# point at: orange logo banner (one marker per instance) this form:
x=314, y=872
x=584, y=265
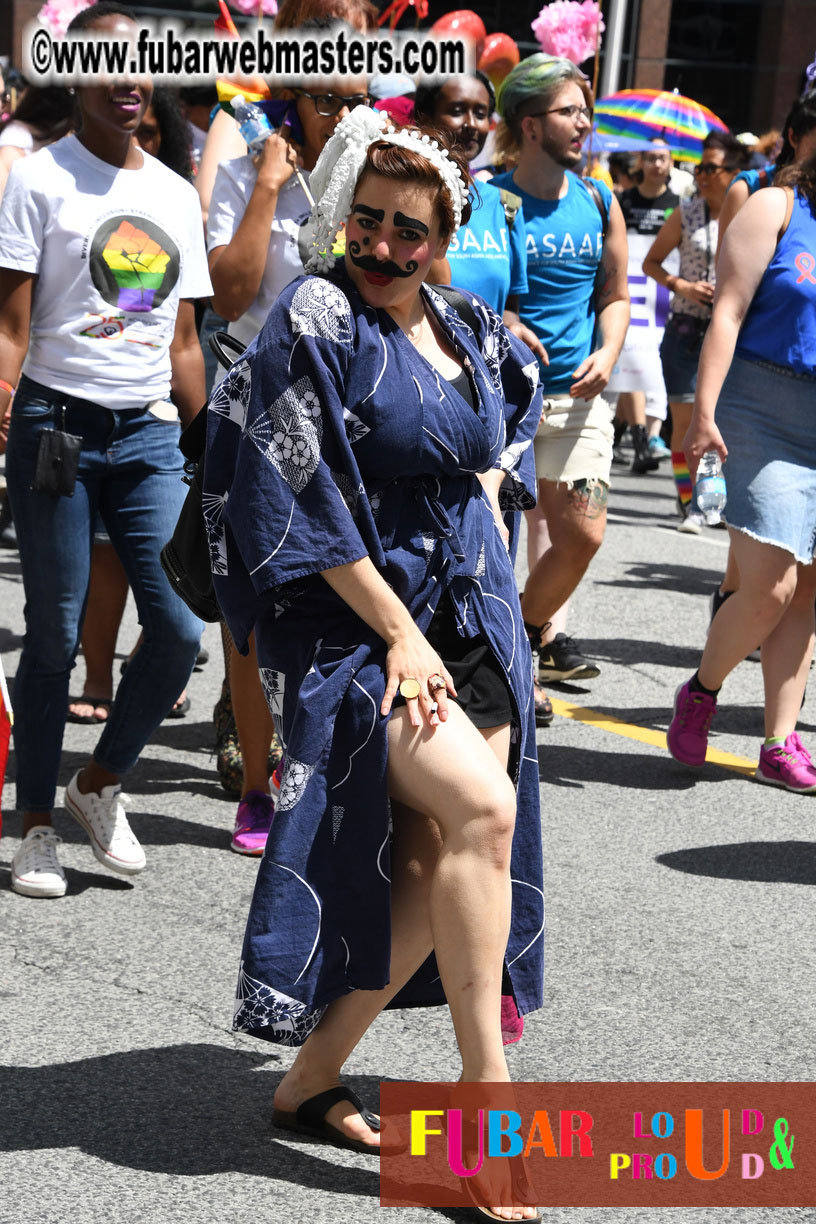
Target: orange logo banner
x=599, y=1144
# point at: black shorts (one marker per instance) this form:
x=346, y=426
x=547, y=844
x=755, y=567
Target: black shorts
x=478, y=677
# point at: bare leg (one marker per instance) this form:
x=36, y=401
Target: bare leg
x=538, y=542
x=631, y=407
x=414, y=854
x=730, y=581
x=450, y=891
x=107, y=596
x=576, y=519
x=252, y=718
x=786, y=655
x=768, y=582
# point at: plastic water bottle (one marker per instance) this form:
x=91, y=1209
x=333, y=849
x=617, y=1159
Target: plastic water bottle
x=253, y=124
x=709, y=488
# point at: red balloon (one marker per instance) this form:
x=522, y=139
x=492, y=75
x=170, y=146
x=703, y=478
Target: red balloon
x=499, y=56
x=463, y=23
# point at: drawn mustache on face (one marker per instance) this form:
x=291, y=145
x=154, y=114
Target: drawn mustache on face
x=385, y=267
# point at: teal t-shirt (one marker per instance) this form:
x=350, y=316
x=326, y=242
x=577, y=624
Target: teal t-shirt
x=564, y=246
x=486, y=256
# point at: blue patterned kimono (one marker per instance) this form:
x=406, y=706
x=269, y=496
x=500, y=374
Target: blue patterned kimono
x=333, y=439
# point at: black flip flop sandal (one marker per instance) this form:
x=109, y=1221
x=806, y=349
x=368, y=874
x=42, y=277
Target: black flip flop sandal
x=89, y=719
x=310, y=1119
x=180, y=711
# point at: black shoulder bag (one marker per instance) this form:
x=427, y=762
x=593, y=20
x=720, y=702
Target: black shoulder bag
x=185, y=557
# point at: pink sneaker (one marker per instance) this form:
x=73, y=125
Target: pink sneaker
x=512, y=1024
x=253, y=821
x=787, y=765
x=687, y=737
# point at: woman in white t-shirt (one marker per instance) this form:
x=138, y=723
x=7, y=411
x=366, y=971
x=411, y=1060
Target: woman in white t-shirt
x=102, y=256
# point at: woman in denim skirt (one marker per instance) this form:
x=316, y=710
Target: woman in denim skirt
x=758, y=370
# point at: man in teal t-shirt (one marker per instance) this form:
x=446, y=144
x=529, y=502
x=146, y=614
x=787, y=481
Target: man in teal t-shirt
x=577, y=287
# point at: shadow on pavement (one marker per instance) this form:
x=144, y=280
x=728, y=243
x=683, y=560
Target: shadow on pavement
x=78, y=881
x=636, y=515
x=633, y=652
x=184, y=1110
x=577, y=767
x=685, y=579
x=651, y=491
x=152, y=829
x=783, y=862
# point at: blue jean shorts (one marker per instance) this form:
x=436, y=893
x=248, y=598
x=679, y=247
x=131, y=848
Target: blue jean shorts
x=679, y=355
x=766, y=417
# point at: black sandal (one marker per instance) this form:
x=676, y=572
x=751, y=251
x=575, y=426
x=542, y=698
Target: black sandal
x=310, y=1119
x=89, y=719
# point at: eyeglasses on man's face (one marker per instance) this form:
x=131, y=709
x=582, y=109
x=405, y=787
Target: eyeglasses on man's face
x=569, y=112
x=707, y=168
x=329, y=104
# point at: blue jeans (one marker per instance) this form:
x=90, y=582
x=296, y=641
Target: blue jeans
x=130, y=474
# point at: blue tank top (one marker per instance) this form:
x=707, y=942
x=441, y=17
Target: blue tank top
x=781, y=322
x=564, y=248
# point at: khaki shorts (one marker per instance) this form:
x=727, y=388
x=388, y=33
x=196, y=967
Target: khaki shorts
x=574, y=440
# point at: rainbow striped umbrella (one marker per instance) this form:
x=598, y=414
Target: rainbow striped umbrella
x=651, y=114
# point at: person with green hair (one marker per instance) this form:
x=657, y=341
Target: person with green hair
x=577, y=288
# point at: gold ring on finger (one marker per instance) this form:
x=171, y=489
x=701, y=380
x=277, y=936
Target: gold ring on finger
x=410, y=688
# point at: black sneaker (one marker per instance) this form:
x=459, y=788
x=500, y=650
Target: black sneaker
x=561, y=659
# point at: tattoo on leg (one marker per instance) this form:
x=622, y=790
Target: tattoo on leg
x=589, y=497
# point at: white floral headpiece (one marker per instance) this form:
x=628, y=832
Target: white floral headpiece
x=334, y=179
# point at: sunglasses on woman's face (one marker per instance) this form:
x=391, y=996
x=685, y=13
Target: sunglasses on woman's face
x=708, y=168
x=328, y=105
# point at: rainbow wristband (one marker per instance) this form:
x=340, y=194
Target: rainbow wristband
x=4, y=386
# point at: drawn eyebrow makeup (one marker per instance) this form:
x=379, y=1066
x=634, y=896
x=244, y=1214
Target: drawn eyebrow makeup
x=376, y=214
x=410, y=222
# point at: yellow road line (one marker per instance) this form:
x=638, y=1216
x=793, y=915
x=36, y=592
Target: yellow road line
x=644, y=735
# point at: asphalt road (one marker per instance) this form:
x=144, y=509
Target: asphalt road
x=680, y=934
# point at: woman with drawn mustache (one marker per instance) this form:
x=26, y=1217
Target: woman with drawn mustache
x=365, y=462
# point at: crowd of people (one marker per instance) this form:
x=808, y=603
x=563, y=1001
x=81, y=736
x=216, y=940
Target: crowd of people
x=431, y=317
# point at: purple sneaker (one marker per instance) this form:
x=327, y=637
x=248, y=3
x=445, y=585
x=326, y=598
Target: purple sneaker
x=253, y=821
x=687, y=737
x=787, y=765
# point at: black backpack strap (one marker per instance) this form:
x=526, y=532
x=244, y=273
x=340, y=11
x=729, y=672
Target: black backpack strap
x=599, y=204
x=511, y=203
x=460, y=304
x=194, y=438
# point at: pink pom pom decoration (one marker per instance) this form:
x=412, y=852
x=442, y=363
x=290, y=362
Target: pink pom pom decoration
x=569, y=29
x=250, y=7
x=57, y=14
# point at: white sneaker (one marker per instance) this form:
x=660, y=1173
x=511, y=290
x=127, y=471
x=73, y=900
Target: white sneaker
x=692, y=524
x=35, y=868
x=103, y=818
